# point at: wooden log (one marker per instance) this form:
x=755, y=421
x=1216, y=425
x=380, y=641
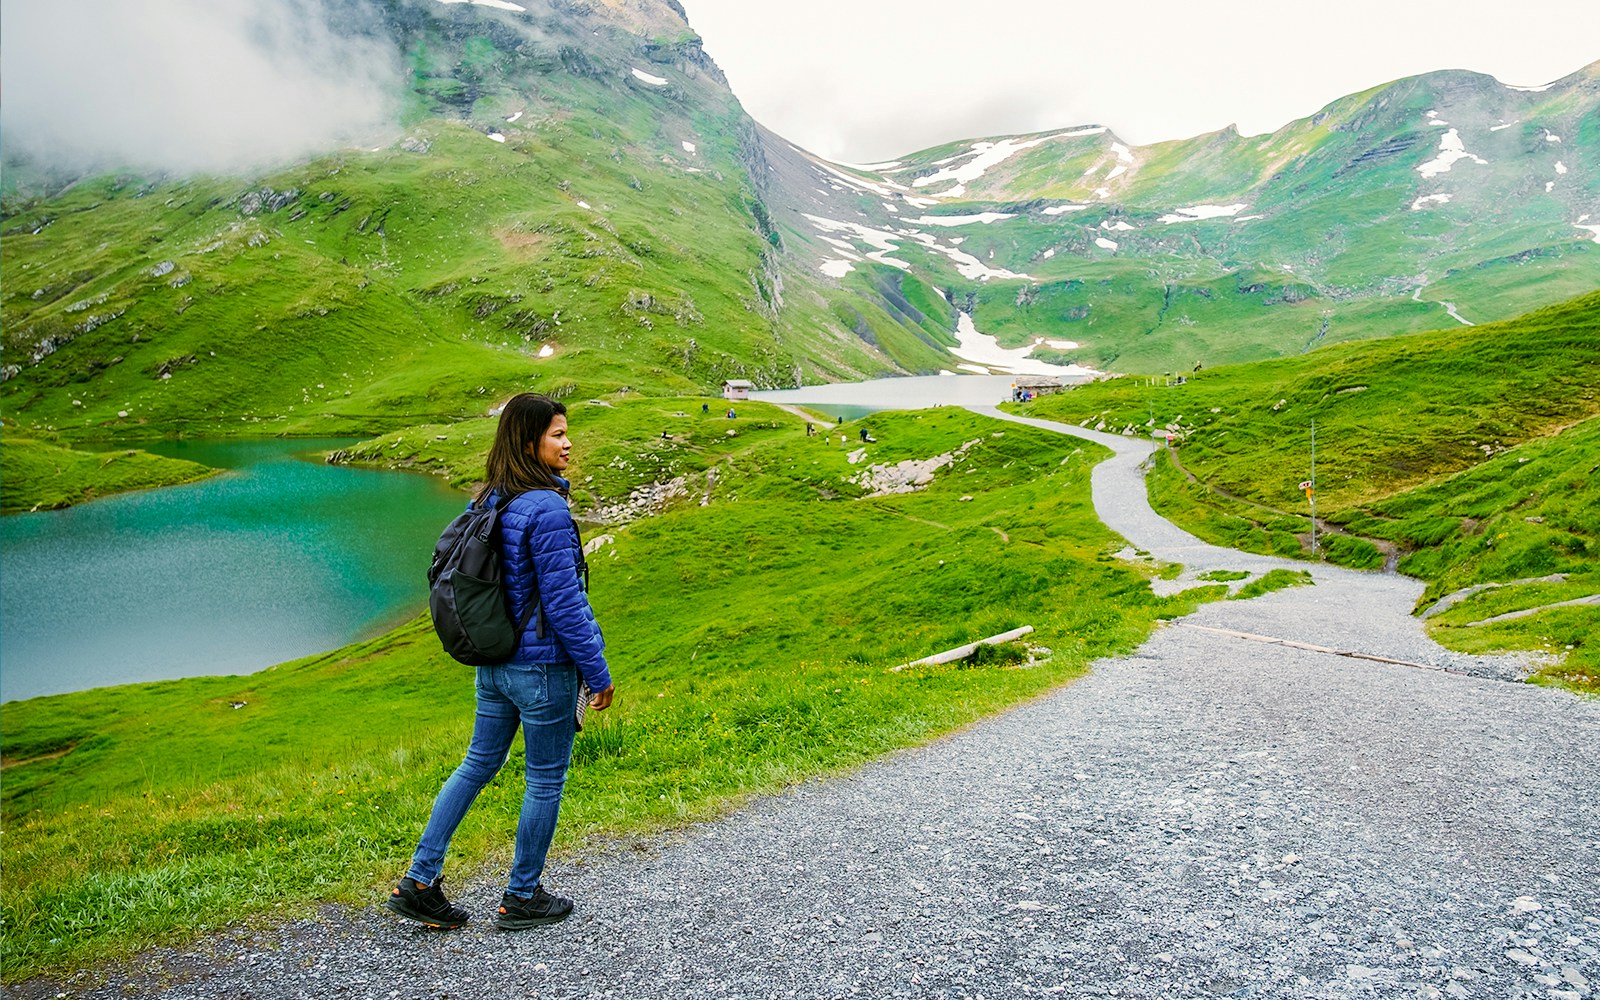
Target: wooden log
x=962, y=652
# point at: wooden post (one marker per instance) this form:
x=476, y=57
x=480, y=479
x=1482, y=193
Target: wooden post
x=961, y=652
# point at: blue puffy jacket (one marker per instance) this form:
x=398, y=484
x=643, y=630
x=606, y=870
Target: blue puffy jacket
x=540, y=551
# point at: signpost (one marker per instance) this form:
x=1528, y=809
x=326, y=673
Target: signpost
x=1310, y=486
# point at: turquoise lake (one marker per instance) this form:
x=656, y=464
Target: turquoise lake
x=278, y=557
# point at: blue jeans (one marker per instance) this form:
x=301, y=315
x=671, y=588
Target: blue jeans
x=540, y=698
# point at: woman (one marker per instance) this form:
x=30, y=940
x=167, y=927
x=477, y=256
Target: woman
x=542, y=561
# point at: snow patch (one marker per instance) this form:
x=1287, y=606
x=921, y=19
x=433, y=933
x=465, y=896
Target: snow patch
x=1442, y=199
x=963, y=220
x=920, y=202
x=1531, y=90
x=1594, y=230
x=547, y=350
x=1496, y=128
x=1124, y=154
x=984, y=155
x=1064, y=345
x=496, y=4
x=1059, y=209
x=1561, y=168
x=966, y=264
x=497, y=137
x=1102, y=193
x=975, y=369
x=514, y=117
x=856, y=182
x=655, y=81
x=1548, y=137
x=1549, y=186
x=1196, y=212
x=1247, y=218
x=986, y=350
x=1049, y=253
x=890, y=206
x=1118, y=172
x=836, y=268
x=688, y=147
x=583, y=204
x=1117, y=226
x=1434, y=119
x=1450, y=150
x=1103, y=243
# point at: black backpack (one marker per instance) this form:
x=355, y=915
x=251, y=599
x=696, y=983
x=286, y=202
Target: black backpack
x=465, y=595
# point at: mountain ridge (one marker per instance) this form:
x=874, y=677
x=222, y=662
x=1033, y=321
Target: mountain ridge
x=579, y=202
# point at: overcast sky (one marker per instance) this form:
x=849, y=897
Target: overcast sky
x=192, y=84
x=867, y=80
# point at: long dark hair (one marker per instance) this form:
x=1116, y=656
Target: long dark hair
x=510, y=469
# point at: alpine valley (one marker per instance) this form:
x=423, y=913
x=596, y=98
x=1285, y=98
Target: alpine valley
x=574, y=199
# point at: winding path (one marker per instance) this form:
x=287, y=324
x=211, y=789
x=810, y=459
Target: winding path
x=1211, y=816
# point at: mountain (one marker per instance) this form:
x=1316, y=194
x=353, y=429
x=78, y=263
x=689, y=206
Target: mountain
x=1435, y=200
x=574, y=200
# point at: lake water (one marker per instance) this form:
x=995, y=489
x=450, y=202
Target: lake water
x=278, y=557
x=857, y=399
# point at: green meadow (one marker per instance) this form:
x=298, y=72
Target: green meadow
x=753, y=622
x=1464, y=457
x=37, y=475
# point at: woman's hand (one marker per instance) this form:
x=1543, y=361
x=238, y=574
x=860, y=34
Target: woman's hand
x=601, y=700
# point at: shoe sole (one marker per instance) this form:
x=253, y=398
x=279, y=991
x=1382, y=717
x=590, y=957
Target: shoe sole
x=397, y=906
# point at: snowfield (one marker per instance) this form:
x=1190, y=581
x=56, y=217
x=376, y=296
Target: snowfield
x=1197, y=212
x=986, y=350
x=655, y=81
x=1420, y=203
x=1451, y=149
x=985, y=155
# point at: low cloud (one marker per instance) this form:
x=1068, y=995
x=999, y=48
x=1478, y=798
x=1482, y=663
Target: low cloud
x=183, y=87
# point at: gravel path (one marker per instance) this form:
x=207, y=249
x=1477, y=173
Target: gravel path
x=1210, y=816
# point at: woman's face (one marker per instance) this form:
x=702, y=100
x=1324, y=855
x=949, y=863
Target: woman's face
x=552, y=449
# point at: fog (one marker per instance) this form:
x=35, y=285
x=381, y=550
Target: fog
x=185, y=86
x=864, y=82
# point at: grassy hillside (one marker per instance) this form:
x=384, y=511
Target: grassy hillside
x=1468, y=454
x=35, y=475
x=546, y=217
x=751, y=644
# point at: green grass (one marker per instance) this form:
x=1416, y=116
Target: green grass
x=35, y=475
x=750, y=641
x=1563, y=636
x=1273, y=579
x=1466, y=454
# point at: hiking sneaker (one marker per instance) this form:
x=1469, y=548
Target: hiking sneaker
x=517, y=913
x=426, y=905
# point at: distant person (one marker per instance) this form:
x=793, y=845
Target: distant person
x=560, y=646
x=863, y=435
x=731, y=414
x=811, y=431
x=705, y=409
